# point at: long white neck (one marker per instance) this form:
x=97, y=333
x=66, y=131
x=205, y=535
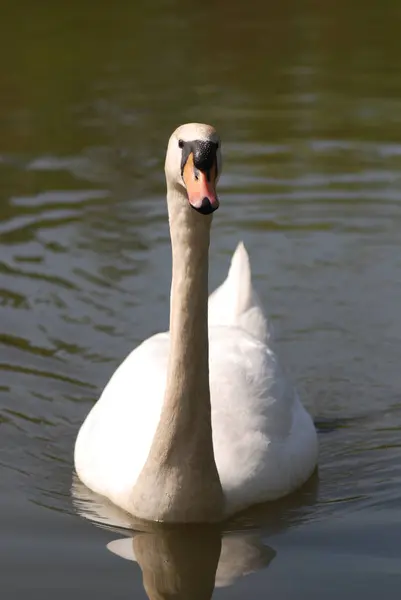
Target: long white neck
x=188, y=370
x=179, y=482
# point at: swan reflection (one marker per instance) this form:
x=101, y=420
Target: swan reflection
x=177, y=561
x=190, y=561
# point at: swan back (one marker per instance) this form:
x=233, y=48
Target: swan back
x=235, y=303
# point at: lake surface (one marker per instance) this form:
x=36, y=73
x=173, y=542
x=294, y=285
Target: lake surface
x=308, y=103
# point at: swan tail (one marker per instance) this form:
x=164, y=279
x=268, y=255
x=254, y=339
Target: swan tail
x=235, y=302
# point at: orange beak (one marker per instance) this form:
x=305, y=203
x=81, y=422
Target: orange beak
x=201, y=187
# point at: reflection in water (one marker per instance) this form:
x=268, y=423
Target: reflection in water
x=175, y=564
x=189, y=563
x=177, y=561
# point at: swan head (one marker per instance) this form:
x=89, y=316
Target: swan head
x=193, y=165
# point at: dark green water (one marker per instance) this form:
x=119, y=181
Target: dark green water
x=307, y=100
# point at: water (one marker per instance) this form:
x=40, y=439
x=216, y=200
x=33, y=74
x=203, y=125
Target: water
x=307, y=101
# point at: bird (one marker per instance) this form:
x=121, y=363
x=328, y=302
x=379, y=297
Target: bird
x=198, y=423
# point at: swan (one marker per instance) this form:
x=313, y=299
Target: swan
x=198, y=423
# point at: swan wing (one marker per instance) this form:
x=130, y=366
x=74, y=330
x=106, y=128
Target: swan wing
x=114, y=440
x=264, y=440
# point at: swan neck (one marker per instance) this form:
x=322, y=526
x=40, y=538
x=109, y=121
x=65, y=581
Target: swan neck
x=179, y=481
x=187, y=395
x=189, y=343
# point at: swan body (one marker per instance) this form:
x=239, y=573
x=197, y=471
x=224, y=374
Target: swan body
x=264, y=443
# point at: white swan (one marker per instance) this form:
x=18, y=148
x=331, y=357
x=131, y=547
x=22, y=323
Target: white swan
x=198, y=423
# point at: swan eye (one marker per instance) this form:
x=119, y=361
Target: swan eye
x=181, y=143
